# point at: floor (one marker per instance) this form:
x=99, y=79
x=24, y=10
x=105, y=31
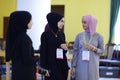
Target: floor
x=109, y=79
x=3, y=78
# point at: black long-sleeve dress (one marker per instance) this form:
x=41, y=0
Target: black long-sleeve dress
x=23, y=60
x=49, y=44
x=19, y=47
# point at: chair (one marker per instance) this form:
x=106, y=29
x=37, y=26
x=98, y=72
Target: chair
x=109, y=61
x=109, y=48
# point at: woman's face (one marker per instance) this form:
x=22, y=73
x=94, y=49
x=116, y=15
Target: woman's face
x=30, y=24
x=61, y=23
x=85, y=25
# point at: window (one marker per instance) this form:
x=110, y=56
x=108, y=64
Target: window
x=117, y=30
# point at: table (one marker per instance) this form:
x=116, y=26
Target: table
x=109, y=62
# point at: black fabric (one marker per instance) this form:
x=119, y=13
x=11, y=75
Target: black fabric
x=49, y=44
x=53, y=18
x=19, y=47
x=17, y=24
x=23, y=60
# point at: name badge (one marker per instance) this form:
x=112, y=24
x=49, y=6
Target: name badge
x=86, y=55
x=59, y=53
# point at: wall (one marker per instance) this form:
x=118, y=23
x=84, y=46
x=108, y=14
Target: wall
x=6, y=7
x=38, y=9
x=75, y=9
x=58, y=2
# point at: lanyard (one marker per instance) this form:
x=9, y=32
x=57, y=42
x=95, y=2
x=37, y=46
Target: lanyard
x=85, y=42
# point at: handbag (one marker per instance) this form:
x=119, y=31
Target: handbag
x=43, y=71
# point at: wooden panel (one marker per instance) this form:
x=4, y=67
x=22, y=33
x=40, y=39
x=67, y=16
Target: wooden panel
x=58, y=8
x=5, y=27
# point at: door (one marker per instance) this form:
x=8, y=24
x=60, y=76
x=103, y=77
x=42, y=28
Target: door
x=58, y=9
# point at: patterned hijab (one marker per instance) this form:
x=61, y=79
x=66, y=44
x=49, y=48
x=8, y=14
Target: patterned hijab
x=92, y=23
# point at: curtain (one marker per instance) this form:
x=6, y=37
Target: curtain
x=113, y=17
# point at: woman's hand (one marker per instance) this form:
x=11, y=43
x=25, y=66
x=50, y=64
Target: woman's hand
x=91, y=47
x=64, y=46
x=47, y=73
x=73, y=72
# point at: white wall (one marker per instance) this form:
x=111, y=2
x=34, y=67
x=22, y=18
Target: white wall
x=39, y=10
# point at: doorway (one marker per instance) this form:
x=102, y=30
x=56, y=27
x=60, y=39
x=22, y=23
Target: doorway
x=58, y=9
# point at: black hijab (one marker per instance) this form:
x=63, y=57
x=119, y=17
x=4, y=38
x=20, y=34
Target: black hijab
x=18, y=24
x=53, y=18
